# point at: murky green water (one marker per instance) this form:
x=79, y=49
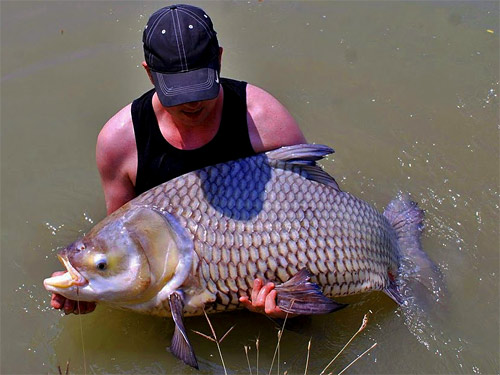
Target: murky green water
x=407, y=94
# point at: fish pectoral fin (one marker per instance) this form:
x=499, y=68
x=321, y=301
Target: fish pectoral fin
x=301, y=296
x=180, y=347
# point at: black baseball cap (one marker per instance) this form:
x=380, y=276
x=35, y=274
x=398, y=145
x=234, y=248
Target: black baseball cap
x=182, y=52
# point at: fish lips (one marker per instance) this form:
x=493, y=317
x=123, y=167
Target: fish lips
x=68, y=279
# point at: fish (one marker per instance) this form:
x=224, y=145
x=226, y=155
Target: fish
x=197, y=242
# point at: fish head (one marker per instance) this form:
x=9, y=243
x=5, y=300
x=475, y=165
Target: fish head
x=127, y=258
x=105, y=265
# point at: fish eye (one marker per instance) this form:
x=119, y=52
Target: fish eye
x=100, y=262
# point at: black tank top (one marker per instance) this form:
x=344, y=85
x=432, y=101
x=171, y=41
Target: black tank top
x=158, y=161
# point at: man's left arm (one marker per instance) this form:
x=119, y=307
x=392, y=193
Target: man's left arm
x=270, y=125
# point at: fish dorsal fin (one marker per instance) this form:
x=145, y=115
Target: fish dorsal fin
x=303, y=156
x=300, y=152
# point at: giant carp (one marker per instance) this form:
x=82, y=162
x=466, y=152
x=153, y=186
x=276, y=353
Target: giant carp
x=197, y=242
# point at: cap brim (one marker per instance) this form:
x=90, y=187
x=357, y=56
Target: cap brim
x=179, y=88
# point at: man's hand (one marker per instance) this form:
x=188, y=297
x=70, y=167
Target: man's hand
x=69, y=306
x=264, y=300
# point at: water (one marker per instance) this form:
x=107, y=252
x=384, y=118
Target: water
x=406, y=93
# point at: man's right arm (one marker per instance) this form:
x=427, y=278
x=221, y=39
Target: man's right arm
x=116, y=157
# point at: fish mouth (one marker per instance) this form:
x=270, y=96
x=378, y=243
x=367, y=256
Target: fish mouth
x=68, y=279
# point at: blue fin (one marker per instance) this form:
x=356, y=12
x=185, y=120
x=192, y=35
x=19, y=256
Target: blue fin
x=392, y=291
x=300, y=153
x=300, y=296
x=304, y=156
x=419, y=277
x=181, y=347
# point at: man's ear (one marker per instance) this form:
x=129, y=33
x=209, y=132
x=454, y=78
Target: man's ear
x=148, y=71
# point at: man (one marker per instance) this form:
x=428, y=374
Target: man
x=191, y=119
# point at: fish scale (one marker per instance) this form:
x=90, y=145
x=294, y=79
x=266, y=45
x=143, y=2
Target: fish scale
x=270, y=223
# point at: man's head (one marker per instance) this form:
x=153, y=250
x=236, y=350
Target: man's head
x=182, y=54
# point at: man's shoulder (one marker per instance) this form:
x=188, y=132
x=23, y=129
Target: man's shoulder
x=256, y=94
x=120, y=124
x=270, y=124
x=117, y=135
x=262, y=103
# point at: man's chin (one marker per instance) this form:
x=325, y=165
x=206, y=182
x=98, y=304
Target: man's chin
x=196, y=116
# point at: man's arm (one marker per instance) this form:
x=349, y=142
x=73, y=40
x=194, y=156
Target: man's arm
x=116, y=157
x=270, y=126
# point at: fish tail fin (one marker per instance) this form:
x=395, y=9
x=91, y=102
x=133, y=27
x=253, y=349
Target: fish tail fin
x=419, y=280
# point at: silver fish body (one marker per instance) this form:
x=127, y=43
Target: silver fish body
x=196, y=243
x=268, y=218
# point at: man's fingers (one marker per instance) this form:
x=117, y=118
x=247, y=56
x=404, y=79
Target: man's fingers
x=57, y=301
x=264, y=300
x=90, y=307
x=264, y=292
x=245, y=301
x=69, y=306
x=257, y=284
x=270, y=305
x=80, y=308
x=83, y=307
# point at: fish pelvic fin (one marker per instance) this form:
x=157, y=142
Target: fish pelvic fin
x=301, y=296
x=304, y=157
x=419, y=281
x=180, y=347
